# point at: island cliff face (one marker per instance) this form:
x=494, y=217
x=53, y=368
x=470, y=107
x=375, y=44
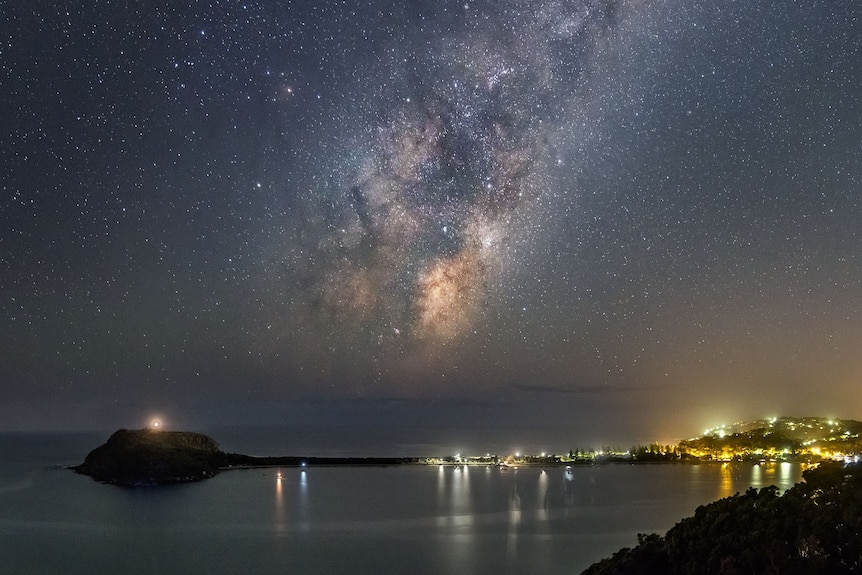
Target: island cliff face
x=149, y=457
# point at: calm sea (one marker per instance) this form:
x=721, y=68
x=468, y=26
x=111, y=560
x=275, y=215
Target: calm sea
x=342, y=520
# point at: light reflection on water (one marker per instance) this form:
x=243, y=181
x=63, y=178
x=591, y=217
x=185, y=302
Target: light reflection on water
x=280, y=521
x=726, y=480
x=359, y=520
x=544, y=495
x=737, y=477
x=514, y=519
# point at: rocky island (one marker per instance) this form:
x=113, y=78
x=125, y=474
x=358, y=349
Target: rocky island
x=151, y=457
x=157, y=457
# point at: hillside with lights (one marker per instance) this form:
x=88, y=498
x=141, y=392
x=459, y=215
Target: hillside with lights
x=782, y=438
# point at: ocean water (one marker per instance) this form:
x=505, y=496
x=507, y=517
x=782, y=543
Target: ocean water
x=404, y=519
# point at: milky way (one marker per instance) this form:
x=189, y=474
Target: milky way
x=597, y=206
x=430, y=219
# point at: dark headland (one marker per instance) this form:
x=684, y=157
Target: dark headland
x=156, y=457
x=815, y=528
x=148, y=457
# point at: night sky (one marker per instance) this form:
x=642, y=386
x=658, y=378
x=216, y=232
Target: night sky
x=621, y=220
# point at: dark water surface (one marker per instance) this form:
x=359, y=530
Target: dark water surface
x=408, y=519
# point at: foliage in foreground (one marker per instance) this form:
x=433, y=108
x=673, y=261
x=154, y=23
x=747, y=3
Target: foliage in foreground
x=814, y=528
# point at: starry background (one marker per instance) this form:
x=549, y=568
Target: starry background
x=592, y=220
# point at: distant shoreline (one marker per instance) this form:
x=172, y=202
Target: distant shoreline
x=155, y=456
x=259, y=462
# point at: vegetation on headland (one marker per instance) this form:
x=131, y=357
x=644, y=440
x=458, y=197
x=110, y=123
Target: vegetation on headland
x=814, y=528
x=808, y=438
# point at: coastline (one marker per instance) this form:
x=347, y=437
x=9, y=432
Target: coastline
x=156, y=456
x=262, y=462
